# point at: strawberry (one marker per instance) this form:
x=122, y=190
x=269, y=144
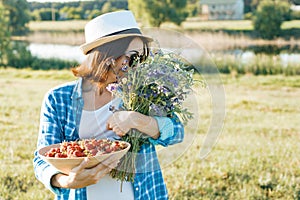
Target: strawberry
x=84, y=148
x=77, y=153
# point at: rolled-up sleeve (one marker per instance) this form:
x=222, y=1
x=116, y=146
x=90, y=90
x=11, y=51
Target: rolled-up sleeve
x=49, y=133
x=44, y=172
x=171, y=131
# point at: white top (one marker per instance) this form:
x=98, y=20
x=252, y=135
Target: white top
x=93, y=125
x=110, y=189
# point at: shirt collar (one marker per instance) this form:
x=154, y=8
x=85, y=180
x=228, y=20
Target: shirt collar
x=77, y=91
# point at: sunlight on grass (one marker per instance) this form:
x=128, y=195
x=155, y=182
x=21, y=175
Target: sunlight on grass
x=78, y=25
x=256, y=155
x=73, y=25
x=291, y=24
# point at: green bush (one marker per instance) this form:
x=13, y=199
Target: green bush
x=261, y=65
x=248, y=16
x=269, y=18
x=44, y=14
x=21, y=58
x=52, y=63
x=295, y=15
x=4, y=36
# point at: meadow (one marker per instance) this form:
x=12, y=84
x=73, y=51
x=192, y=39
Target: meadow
x=256, y=156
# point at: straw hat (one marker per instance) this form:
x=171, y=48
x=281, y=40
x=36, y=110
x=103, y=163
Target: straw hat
x=109, y=27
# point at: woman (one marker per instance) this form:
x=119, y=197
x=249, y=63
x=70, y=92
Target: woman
x=80, y=109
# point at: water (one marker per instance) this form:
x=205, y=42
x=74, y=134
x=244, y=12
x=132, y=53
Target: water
x=73, y=53
x=60, y=51
x=287, y=54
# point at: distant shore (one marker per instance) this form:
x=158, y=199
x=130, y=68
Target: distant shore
x=207, y=40
x=209, y=35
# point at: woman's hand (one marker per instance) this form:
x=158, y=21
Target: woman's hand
x=80, y=177
x=122, y=121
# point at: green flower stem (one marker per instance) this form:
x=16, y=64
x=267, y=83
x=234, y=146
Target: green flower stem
x=125, y=170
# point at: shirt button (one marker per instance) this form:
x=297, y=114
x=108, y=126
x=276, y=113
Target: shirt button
x=136, y=188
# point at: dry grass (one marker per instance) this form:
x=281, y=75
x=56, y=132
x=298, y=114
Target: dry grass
x=256, y=155
x=71, y=32
x=73, y=25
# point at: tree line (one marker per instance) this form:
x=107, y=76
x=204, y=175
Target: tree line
x=73, y=10
x=267, y=16
x=151, y=12
x=165, y=10
x=89, y=9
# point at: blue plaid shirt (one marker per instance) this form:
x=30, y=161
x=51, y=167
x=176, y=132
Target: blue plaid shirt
x=59, y=121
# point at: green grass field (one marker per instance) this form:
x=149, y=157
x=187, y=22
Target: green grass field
x=256, y=155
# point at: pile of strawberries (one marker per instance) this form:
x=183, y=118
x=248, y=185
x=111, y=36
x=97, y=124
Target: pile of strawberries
x=85, y=148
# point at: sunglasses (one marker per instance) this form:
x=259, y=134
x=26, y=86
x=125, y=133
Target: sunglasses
x=135, y=58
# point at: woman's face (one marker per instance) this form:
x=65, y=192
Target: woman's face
x=122, y=63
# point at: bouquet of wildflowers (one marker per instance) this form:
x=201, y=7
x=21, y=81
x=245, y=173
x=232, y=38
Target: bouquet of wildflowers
x=157, y=87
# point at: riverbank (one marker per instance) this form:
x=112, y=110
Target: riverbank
x=190, y=25
x=211, y=35
x=207, y=40
x=230, y=53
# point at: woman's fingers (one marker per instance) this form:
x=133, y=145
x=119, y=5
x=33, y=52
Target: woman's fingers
x=118, y=131
x=81, y=177
x=110, y=161
x=120, y=122
x=82, y=166
x=106, y=166
x=116, y=128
